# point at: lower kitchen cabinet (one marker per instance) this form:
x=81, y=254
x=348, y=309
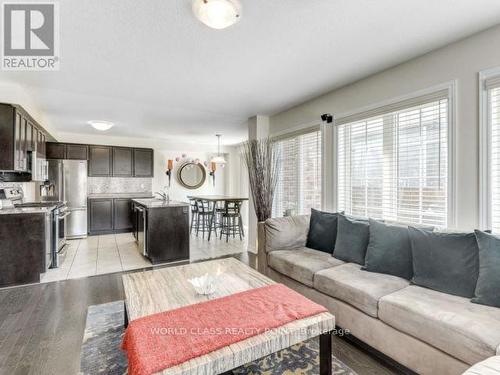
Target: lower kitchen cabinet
x=122, y=214
x=110, y=215
x=100, y=216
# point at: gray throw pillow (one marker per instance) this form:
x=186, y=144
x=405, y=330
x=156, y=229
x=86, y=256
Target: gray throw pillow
x=389, y=250
x=446, y=262
x=352, y=239
x=322, y=231
x=488, y=283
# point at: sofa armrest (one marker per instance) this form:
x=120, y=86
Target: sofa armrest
x=284, y=233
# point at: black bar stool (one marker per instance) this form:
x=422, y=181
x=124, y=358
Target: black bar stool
x=194, y=215
x=231, y=220
x=205, y=216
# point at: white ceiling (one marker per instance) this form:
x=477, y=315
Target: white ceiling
x=156, y=71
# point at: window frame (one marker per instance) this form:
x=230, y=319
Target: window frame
x=450, y=88
x=303, y=129
x=485, y=193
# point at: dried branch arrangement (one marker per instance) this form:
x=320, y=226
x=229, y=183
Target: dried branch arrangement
x=263, y=163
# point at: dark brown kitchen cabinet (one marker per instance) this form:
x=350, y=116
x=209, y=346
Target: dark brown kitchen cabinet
x=41, y=147
x=18, y=139
x=143, y=162
x=122, y=162
x=30, y=145
x=56, y=150
x=77, y=152
x=72, y=151
x=100, y=161
x=100, y=215
x=122, y=214
x=167, y=234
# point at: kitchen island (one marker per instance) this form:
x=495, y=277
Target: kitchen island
x=25, y=235
x=161, y=229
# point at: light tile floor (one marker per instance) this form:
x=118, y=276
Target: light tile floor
x=111, y=253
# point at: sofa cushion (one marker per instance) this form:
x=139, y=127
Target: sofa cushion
x=301, y=264
x=453, y=324
x=389, y=250
x=322, y=231
x=488, y=284
x=352, y=239
x=356, y=287
x=286, y=233
x=490, y=366
x=446, y=262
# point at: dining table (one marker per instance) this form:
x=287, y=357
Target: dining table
x=216, y=199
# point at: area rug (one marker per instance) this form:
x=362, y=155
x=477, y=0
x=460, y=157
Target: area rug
x=101, y=353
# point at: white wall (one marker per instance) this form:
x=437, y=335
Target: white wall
x=460, y=61
x=165, y=150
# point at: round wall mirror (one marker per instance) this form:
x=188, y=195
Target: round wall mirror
x=191, y=175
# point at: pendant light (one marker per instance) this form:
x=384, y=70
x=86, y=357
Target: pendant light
x=219, y=159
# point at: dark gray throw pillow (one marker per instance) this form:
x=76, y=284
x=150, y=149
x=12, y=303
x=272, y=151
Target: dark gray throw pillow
x=446, y=262
x=488, y=283
x=389, y=250
x=322, y=231
x=352, y=239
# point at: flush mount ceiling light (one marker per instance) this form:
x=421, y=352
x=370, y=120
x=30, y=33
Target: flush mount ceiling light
x=219, y=159
x=101, y=125
x=217, y=14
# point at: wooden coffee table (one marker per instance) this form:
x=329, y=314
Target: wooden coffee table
x=165, y=289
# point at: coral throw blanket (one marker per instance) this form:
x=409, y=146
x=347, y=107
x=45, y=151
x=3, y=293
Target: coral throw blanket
x=156, y=342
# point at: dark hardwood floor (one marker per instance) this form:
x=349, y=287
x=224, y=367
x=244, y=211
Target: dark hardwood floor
x=41, y=326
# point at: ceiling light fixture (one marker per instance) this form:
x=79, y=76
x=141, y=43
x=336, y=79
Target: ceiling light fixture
x=101, y=125
x=217, y=14
x=219, y=159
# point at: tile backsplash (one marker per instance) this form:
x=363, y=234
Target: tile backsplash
x=103, y=185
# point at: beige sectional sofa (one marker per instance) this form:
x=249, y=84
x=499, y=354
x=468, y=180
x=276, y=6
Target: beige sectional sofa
x=426, y=331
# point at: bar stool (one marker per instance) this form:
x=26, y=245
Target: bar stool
x=194, y=214
x=205, y=217
x=231, y=220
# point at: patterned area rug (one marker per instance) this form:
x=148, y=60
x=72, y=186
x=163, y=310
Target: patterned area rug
x=101, y=353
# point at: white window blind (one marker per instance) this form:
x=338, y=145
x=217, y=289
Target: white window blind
x=299, y=183
x=394, y=164
x=494, y=157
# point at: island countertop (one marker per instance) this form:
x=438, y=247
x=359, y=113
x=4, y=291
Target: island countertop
x=27, y=210
x=159, y=203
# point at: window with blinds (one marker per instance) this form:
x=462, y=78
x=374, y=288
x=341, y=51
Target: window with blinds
x=493, y=89
x=299, y=184
x=392, y=163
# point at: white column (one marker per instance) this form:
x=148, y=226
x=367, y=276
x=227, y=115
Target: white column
x=258, y=127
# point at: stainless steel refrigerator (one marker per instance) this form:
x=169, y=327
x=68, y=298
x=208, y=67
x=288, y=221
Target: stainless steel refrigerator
x=69, y=178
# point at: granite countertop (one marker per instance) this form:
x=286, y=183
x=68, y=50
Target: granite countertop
x=159, y=203
x=120, y=195
x=27, y=210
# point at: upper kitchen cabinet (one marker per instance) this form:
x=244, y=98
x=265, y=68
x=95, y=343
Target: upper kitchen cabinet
x=67, y=151
x=56, y=150
x=123, y=162
x=100, y=161
x=77, y=152
x=21, y=139
x=143, y=162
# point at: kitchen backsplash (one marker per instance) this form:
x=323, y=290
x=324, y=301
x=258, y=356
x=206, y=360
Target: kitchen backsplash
x=103, y=185
x=29, y=189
